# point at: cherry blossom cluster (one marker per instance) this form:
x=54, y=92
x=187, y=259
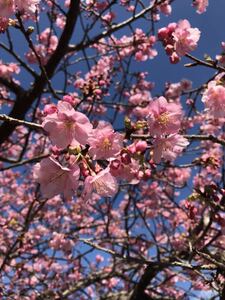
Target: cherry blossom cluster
x=164, y=122
x=7, y=70
x=72, y=130
x=10, y=7
x=69, y=128
x=130, y=179
x=178, y=39
x=96, y=82
x=139, y=44
x=46, y=47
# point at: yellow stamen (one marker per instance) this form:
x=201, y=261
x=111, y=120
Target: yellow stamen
x=106, y=144
x=163, y=119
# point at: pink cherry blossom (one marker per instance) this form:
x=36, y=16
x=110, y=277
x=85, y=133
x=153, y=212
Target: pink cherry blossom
x=125, y=168
x=67, y=126
x=168, y=147
x=55, y=179
x=185, y=37
x=164, y=117
x=104, y=141
x=46, y=47
x=104, y=184
x=201, y=5
x=7, y=70
x=214, y=99
x=179, y=39
x=140, y=45
x=53, y=233
x=165, y=8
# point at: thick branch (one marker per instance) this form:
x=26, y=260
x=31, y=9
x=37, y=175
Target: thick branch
x=150, y=272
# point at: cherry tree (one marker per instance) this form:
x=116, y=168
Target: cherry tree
x=109, y=189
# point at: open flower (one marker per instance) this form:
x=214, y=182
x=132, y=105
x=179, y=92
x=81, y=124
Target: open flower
x=55, y=179
x=104, y=184
x=169, y=147
x=185, y=37
x=104, y=141
x=178, y=39
x=67, y=126
x=214, y=99
x=164, y=117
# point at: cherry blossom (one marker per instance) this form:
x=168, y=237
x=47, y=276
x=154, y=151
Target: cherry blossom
x=185, y=37
x=214, y=99
x=169, y=147
x=164, y=117
x=104, y=142
x=47, y=45
x=179, y=39
x=26, y=5
x=6, y=8
x=103, y=183
x=55, y=179
x=67, y=126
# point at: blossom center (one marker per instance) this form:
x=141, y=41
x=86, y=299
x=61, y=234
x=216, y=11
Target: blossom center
x=69, y=124
x=163, y=119
x=106, y=144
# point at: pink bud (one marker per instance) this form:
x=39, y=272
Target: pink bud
x=131, y=8
x=69, y=99
x=115, y=164
x=101, y=82
x=50, y=109
x=140, y=174
x=125, y=158
x=166, y=9
x=148, y=172
x=99, y=258
x=163, y=33
x=98, y=92
x=141, y=146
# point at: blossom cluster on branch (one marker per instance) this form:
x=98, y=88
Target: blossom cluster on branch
x=111, y=187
